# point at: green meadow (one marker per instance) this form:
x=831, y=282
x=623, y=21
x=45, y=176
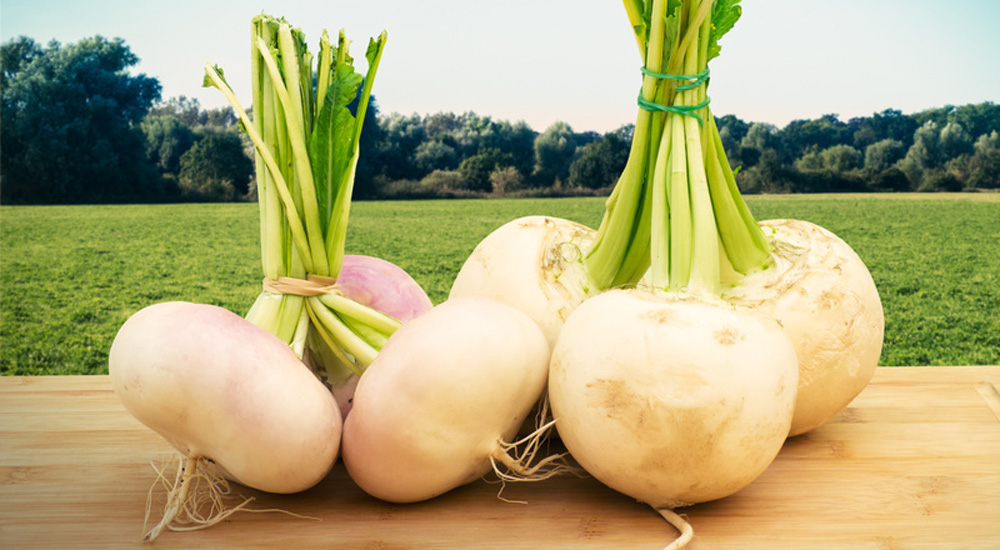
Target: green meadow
x=71, y=275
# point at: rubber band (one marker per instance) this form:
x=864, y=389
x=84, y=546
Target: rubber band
x=697, y=79
x=312, y=285
x=685, y=110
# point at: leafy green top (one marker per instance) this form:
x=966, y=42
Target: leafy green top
x=725, y=14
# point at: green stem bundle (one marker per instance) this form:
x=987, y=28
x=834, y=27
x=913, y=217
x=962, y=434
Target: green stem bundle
x=307, y=145
x=676, y=203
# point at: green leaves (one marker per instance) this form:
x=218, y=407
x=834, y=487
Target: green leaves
x=331, y=145
x=306, y=134
x=725, y=14
x=337, y=138
x=672, y=30
x=208, y=82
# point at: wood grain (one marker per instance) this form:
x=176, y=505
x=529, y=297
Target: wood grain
x=912, y=463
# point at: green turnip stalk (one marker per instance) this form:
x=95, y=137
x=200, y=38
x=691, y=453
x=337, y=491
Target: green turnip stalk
x=677, y=185
x=306, y=139
x=677, y=201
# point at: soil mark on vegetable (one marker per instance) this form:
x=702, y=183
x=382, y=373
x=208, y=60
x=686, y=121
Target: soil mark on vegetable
x=618, y=402
x=728, y=336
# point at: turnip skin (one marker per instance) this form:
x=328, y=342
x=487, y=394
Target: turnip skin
x=383, y=286
x=533, y=264
x=672, y=402
x=824, y=297
x=430, y=411
x=217, y=386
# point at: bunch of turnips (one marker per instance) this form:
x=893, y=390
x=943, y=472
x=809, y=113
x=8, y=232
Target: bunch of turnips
x=674, y=348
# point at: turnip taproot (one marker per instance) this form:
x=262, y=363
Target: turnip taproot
x=232, y=398
x=440, y=404
x=826, y=301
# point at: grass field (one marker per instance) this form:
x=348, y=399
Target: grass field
x=70, y=275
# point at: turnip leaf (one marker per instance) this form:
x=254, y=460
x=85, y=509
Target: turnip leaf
x=725, y=14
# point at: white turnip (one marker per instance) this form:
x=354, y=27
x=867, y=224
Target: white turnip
x=671, y=401
x=232, y=398
x=823, y=296
x=534, y=264
x=439, y=405
x=671, y=394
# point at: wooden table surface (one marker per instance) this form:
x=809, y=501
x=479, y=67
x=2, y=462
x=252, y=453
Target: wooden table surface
x=913, y=463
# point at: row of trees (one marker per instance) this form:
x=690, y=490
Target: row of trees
x=445, y=154
x=943, y=149
x=78, y=127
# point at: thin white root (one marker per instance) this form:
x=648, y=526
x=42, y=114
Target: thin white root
x=195, y=499
x=544, y=415
x=681, y=524
x=194, y=489
x=510, y=464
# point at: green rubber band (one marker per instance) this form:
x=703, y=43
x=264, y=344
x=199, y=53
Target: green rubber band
x=697, y=79
x=686, y=110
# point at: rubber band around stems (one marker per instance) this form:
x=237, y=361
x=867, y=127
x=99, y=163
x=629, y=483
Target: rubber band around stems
x=686, y=110
x=696, y=79
x=312, y=285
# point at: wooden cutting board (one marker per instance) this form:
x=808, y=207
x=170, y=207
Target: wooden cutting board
x=913, y=463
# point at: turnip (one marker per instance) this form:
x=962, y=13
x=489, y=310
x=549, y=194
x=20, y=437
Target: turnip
x=233, y=395
x=232, y=398
x=670, y=392
x=534, y=264
x=439, y=406
x=826, y=301
x=383, y=286
x=377, y=284
x=672, y=401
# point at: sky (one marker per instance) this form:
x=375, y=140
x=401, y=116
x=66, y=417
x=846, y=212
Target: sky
x=575, y=61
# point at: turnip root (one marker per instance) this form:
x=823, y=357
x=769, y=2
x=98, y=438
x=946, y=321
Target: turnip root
x=534, y=264
x=231, y=397
x=823, y=296
x=382, y=286
x=439, y=405
x=671, y=401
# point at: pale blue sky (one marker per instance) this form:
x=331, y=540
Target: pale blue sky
x=546, y=60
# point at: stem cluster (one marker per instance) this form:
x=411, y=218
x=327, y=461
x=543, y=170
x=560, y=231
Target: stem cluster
x=676, y=212
x=306, y=128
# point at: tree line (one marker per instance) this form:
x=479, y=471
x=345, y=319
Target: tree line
x=78, y=127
